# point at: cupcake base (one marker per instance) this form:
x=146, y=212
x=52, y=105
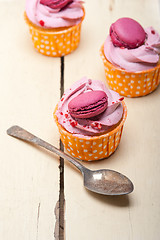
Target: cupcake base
x=130, y=84
x=92, y=148
x=55, y=42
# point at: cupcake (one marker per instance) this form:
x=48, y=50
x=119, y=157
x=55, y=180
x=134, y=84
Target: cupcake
x=54, y=25
x=90, y=119
x=131, y=58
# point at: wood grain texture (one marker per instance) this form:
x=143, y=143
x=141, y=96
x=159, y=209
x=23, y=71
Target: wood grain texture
x=31, y=85
x=30, y=89
x=135, y=216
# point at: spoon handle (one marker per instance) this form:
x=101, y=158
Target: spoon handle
x=18, y=132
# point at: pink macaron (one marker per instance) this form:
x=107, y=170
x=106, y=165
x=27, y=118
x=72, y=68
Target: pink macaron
x=88, y=104
x=55, y=4
x=127, y=33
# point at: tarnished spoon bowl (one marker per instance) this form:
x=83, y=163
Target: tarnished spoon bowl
x=107, y=182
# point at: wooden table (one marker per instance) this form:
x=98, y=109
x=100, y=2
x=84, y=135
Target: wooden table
x=33, y=182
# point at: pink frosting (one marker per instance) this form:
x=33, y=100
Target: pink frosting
x=91, y=126
x=138, y=59
x=47, y=17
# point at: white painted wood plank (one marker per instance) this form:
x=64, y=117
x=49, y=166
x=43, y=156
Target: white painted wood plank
x=136, y=216
x=29, y=176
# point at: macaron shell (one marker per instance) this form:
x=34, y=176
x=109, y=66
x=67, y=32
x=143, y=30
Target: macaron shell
x=127, y=33
x=88, y=104
x=55, y=4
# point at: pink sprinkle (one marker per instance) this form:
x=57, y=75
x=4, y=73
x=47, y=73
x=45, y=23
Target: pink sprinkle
x=96, y=125
x=89, y=81
x=73, y=124
x=62, y=99
x=93, y=125
x=99, y=126
x=41, y=23
x=113, y=102
x=121, y=99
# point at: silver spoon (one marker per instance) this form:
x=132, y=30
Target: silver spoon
x=103, y=181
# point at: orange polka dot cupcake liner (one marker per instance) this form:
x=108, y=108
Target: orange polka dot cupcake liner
x=130, y=84
x=55, y=42
x=92, y=148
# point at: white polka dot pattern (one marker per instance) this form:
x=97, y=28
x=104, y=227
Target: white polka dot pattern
x=131, y=84
x=55, y=43
x=92, y=148
x=90, y=151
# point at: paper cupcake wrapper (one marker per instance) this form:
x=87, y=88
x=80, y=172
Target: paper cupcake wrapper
x=55, y=43
x=130, y=84
x=92, y=148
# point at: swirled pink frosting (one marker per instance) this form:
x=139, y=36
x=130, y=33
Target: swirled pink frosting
x=91, y=126
x=138, y=59
x=44, y=16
